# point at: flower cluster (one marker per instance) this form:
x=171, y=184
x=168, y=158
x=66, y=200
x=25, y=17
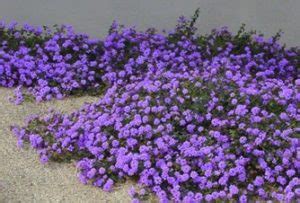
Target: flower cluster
x=190, y=118
x=56, y=64
x=191, y=137
x=51, y=65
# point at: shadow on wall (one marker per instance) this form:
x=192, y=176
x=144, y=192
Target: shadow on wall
x=95, y=16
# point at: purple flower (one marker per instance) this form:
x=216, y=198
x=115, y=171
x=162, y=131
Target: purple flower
x=190, y=128
x=233, y=189
x=258, y=181
x=108, y=185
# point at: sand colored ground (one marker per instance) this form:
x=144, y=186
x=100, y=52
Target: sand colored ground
x=24, y=179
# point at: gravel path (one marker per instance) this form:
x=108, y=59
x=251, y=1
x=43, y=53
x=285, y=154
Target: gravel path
x=24, y=179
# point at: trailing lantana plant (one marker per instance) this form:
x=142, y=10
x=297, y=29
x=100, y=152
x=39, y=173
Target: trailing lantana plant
x=189, y=117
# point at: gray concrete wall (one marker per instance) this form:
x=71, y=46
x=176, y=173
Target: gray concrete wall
x=95, y=16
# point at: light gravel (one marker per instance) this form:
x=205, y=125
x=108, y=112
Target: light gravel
x=24, y=179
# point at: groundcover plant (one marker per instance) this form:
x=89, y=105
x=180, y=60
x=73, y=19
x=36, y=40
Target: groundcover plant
x=189, y=117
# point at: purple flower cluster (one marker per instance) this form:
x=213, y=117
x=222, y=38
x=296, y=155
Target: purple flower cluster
x=51, y=65
x=191, y=118
x=182, y=136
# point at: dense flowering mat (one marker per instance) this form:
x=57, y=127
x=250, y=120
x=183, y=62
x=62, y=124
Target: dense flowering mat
x=189, y=117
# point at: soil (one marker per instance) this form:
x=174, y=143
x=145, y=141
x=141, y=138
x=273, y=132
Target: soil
x=24, y=179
